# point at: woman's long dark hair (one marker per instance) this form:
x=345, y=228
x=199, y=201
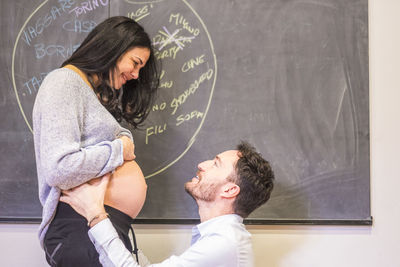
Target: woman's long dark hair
x=99, y=53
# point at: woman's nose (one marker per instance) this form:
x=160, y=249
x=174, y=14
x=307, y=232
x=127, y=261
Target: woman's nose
x=135, y=75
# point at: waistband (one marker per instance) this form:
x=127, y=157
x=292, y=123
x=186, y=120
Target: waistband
x=121, y=222
x=117, y=217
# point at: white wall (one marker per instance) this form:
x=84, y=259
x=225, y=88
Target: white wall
x=303, y=246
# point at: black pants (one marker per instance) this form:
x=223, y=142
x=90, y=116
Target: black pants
x=67, y=241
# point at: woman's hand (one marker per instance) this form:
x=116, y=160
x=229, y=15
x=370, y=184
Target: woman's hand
x=128, y=148
x=88, y=198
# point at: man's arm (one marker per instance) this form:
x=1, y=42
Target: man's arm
x=214, y=250
x=88, y=200
x=112, y=252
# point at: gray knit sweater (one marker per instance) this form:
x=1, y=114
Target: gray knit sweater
x=75, y=138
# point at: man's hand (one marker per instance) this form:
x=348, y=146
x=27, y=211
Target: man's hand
x=88, y=198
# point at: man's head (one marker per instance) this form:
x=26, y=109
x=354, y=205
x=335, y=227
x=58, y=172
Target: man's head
x=212, y=177
x=254, y=176
x=240, y=176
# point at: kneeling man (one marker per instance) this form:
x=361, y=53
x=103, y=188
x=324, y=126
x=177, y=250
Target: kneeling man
x=226, y=189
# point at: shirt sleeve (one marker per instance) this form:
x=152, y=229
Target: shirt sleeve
x=125, y=132
x=63, y=162
x=213, y=250
x=112, y=251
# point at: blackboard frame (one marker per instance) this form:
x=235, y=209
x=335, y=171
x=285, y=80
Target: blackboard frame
x=196, y=221
x=355, y=8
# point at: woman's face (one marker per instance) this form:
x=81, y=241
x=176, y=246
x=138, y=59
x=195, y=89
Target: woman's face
x=128, y=66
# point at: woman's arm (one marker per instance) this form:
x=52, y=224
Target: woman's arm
x=59, y=116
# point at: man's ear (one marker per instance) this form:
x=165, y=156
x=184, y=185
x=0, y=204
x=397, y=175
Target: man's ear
x=230, y=190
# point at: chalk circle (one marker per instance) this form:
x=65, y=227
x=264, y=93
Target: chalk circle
x=143, y=2
x=189, y=70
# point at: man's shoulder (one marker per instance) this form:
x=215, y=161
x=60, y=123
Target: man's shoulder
x=230, y=222
x=230, y=228
x=231, y=241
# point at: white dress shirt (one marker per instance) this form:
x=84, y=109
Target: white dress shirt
x=219, y=242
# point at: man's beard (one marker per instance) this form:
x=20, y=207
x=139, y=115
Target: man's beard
x=203, y=192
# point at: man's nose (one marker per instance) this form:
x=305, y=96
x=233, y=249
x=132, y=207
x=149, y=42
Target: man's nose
x=203, y=165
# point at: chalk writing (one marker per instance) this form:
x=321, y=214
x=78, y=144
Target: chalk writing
x=181, y=21
x=162, y=74
x=33, y=84
x=191, y=63
x=195, y=114
x=139, y=13
x=157, y=107
x=165, y=38
x=41, y=50
x=154, y=130
x=183, y=48
x=88, y=6
x=31, y=32
x=165, y=84
x=176, y=102
x=79, y=26
x=169, y=53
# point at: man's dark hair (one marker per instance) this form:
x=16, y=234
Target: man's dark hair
x=255, y=178
x=99, y=53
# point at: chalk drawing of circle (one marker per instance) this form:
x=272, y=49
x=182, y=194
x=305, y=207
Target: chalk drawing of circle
x=13, y=71
x=143, y=2
x=175, y=140
x=167, y=23
x=41, y=45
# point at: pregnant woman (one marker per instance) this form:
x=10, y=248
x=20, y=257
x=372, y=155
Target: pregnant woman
x=111, y=77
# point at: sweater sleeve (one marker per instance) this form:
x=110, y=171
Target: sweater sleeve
x=64, y=163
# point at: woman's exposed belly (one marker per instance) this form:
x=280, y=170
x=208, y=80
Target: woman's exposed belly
x=127, y=189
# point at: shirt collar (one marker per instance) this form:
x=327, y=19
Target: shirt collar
x=210, y=225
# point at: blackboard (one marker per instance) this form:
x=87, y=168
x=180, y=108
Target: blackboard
x=290, y=77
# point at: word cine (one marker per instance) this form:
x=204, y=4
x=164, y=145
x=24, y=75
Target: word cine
x=187, y=117
x=41, y=50
x=155, y=130
x=31, y=32
x=88, y=6
x=176, y=102
x=191, y=63
x=181, y=21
